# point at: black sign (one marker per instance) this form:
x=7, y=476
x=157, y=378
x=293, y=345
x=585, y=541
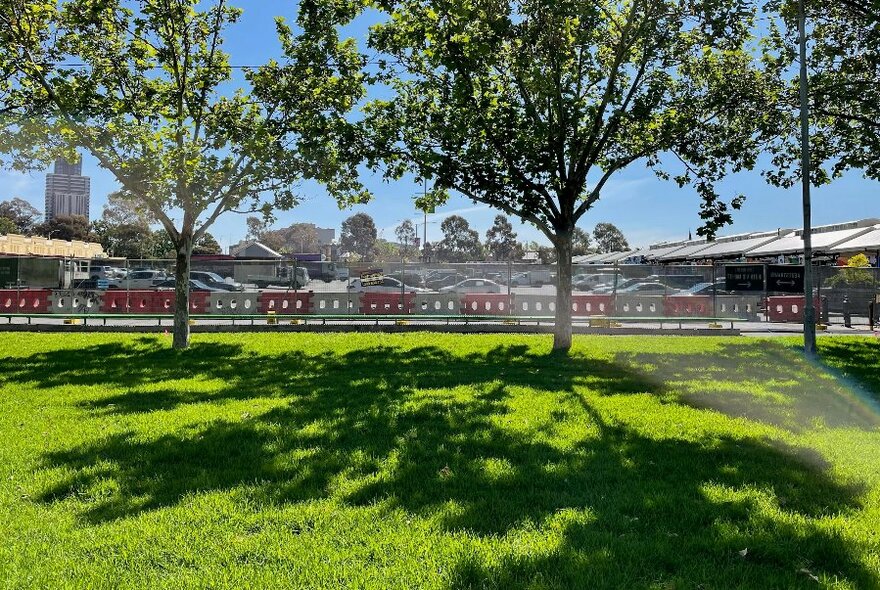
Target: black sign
x=785, y=278
x=372, y=278
x=744, y=277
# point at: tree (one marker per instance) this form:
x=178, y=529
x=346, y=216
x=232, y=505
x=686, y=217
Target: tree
x=358, y=236
x=501, y=242
x=406, y=236
x=531, y=107
x=207, y=245
x=124, y=240
x=21, y=213
x=609, y=238
x=844, y=98
x=256, y=228
x=7, y=226
x=120, y=210
x=580, y=242
x=460, y=243
x=151, y=101
x=298, y=237
x=66, y=227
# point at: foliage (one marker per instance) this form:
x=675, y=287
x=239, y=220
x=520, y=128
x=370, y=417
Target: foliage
x=151, y=103
x=858, y=261
x=22, y=214
x=125, y=240
x=7, y=226
x=501, y=242
x=207, y=244
x=436, y=461
x=844, y=64
x=532, y=107
x=460, y=243
x=358, y=236
x=406, y=237
x=580, y=242
x=609, y=238
x=854, y=274
x=66, y=227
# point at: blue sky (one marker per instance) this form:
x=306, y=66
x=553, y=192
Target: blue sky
x=645, y=208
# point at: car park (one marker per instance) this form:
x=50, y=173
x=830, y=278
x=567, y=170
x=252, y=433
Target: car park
x=647, y=288
x=215, y=281
x=473, y=286
x=142, y=279
x=389, y=285
x=194, y=285
x=706, y=289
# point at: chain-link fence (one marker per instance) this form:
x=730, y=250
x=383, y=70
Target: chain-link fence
x=221, y=284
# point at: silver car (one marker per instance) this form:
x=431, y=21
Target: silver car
x=473, y=286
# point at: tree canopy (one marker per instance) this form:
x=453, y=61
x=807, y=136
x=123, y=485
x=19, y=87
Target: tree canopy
x=501, y=242
x=609, y=238
x=460, y=243
x=358, y=236
x=533, y=106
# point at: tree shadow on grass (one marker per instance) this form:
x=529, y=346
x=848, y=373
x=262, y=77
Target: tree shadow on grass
x=764, y=381
x=388, y=426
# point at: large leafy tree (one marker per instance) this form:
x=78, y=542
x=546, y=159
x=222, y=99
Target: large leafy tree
x=531, y=106
x=609, y=238
x=146, y=88
x=844, y=97
x=21, y=213
x=406, y=237
x=358, y=236
x=501, y=242
x=66, y=227
x=460, y=243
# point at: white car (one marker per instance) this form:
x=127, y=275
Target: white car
x=389, y=285
x=141, y=279
x=473, y=286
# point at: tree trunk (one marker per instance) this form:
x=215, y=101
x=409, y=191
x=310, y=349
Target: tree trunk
x=181, y=291
x=562, y=330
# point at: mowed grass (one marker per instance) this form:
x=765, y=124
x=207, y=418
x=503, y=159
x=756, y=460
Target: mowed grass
x=437, y=461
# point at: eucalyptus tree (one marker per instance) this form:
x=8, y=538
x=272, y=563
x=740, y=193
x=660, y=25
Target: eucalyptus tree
x=146, y=87
x=532, y=106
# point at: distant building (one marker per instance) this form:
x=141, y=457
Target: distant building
x=253, y=250
x=16, y=245
x=67, y=190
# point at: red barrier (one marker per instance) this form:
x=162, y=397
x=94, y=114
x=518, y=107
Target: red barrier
x=679, y=306
x=386, y=303
x=485, y=304
x=119, y=301
x=25, y=300
x=285, y=302
x=789, y=308
x=585, y=305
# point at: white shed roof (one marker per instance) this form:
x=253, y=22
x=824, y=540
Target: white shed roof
x=794, y=242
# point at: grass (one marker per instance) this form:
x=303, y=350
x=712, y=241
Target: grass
x=437, y=461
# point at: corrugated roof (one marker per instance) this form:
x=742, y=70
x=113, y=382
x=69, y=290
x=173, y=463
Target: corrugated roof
x=794, y=242
x=737, y=247
x=656, y=253
x=864, y=242
x=685, y=251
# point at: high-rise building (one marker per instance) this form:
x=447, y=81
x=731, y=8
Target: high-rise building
x=67, y=190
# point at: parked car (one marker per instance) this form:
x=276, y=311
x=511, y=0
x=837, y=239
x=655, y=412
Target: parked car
x=410, y=278
x=610, y=287
x=647, y=288
x=105, y=272
x=194, y=285
x=592, y=282
x=342, y=273
x=473, y=286
x=389, y=285
x=677, y=281
x=533, y=278
x=439, y=281
x=215, y=281
x=142, y=279
x=705, y=289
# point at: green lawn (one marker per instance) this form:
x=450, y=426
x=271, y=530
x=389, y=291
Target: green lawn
x=437, y=461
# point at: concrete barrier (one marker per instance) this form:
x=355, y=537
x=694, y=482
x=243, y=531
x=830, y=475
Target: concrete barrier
x=532, y=305
x=688, y=306
x=485, y=304
x=789, y=308
x=436, y=304
x=587, y=305
x=286, y=302
x=387, y=303
x=735, y=306
x=336, y=303
x=639, y=306
x=71, y=301
x=25, y=300
x=121, y=301
x=234, y=302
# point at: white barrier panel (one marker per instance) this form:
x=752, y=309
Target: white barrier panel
x=639, y=306
x=235, y=302
x=734, y=306
x=75, y=302
x=534, y=305
x=436, y=304
x=336, y=303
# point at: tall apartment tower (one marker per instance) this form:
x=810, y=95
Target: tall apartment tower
x=67, y=190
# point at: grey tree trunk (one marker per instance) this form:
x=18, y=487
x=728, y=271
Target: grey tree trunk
x=562, y=330
x=181, y=291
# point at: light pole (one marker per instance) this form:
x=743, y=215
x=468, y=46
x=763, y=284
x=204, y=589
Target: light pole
x=809, y=308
